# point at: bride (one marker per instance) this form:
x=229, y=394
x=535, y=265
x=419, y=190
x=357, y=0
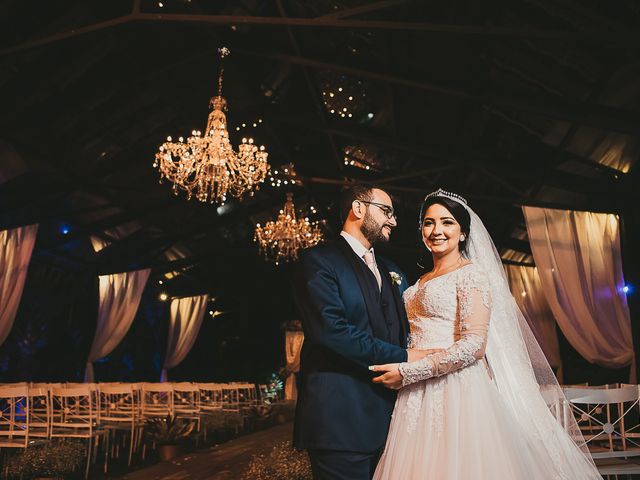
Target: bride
x=477, y=407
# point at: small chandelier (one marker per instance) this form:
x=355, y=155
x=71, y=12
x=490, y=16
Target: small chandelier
x=206, y=165
x=281, y=240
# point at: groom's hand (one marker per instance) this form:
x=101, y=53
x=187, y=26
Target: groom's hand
x=413, y=355
x=391, y=378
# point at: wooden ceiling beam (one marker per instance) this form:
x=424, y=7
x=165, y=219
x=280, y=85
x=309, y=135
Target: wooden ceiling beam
x=140, y=249
x=493, y=167
x=313, y=92
x=366, y=8
x=518, y=264
x=615, y=38
x=471, y=196
x=589, y=114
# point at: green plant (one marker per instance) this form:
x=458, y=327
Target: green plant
x=57, y=458
x=221, y=419
x=275, y=385
x=259, y=411
x=169, y=430
x=282, y=463
x=286, y=407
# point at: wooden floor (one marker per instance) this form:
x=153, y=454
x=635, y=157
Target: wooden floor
x=222, y=462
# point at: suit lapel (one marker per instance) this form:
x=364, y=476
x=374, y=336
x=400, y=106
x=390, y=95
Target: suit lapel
x=370, y=295
x=402, y=313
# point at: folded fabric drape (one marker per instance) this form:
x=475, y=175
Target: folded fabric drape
x=184, y=325
x=526, y=287
x=578, y=259
x=16, y=247
x=120, y=295
x=293, y=346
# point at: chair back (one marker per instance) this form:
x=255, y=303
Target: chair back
x=157, y=399
x=14, y=415
x=118, y=403
x=39, y=411
x=210, y=396
x=605, y=417
x=186, y=399
x=73, y=411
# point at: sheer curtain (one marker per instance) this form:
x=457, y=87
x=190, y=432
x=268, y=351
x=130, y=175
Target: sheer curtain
x=293, y=346
x=120, y=295
x=184, y=325
x=526, y=287
x=580, y=266
x=15, y=253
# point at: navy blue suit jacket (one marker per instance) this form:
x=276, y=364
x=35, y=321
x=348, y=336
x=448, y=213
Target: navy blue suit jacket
x=339, y=408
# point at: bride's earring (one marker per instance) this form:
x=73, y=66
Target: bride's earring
x=462, y=238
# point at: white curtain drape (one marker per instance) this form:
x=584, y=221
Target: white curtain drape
x=526, y=288
x=578, y=258
x=184, y=325
x=16, y=247
x=293, y=346
x=120, y=295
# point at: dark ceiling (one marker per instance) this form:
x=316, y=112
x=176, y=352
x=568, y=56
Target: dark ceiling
x=509, y=103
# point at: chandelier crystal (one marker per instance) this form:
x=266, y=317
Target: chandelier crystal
x=282, y=239
x=206, y=166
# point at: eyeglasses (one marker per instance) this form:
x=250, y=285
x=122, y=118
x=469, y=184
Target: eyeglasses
x=386, y=209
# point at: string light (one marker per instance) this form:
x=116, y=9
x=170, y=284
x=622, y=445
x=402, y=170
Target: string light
x=285, y=175
x=343, y=96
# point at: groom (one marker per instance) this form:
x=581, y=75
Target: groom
x=353, y=316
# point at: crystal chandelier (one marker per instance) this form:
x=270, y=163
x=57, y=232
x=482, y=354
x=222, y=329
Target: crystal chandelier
x=281, y=240
x=206, y=165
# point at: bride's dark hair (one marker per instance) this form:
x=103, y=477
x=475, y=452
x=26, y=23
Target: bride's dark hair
x=459, y=213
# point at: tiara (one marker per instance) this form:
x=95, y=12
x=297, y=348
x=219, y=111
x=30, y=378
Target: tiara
x=443, y=193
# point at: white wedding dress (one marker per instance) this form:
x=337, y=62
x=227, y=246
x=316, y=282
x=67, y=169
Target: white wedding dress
x=450, y=420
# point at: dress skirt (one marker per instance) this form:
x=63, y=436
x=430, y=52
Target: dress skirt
x=455, y=428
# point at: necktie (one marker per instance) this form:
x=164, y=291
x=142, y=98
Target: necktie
x=371, y=263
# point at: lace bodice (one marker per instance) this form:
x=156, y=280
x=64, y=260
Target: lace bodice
x=450, y=312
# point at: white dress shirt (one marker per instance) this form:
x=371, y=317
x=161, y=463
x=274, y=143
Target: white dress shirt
x=356, y=246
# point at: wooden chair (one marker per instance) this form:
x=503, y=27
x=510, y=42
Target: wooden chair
x=39, y=412
x=119, y=412
x=186, y=403
x=230, y=397
x=157, y=400
x=606, y=413
x=74, y=416
x=14, y=416
x=210, y=396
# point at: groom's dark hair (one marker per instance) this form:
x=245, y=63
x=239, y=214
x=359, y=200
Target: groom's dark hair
x=358, y=191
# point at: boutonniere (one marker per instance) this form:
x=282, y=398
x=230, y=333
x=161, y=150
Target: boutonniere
x=396, y=279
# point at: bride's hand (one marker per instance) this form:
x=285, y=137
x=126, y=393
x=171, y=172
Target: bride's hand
x=391, y=378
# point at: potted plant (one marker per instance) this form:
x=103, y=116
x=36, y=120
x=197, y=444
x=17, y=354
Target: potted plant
x=257, y=417
x=169, y=433
x=284, y=411
x=223, y=424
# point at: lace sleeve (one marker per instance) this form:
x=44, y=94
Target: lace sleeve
x=474, y=309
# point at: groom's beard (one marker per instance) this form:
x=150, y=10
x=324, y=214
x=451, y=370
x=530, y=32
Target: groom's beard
x=372, y=231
